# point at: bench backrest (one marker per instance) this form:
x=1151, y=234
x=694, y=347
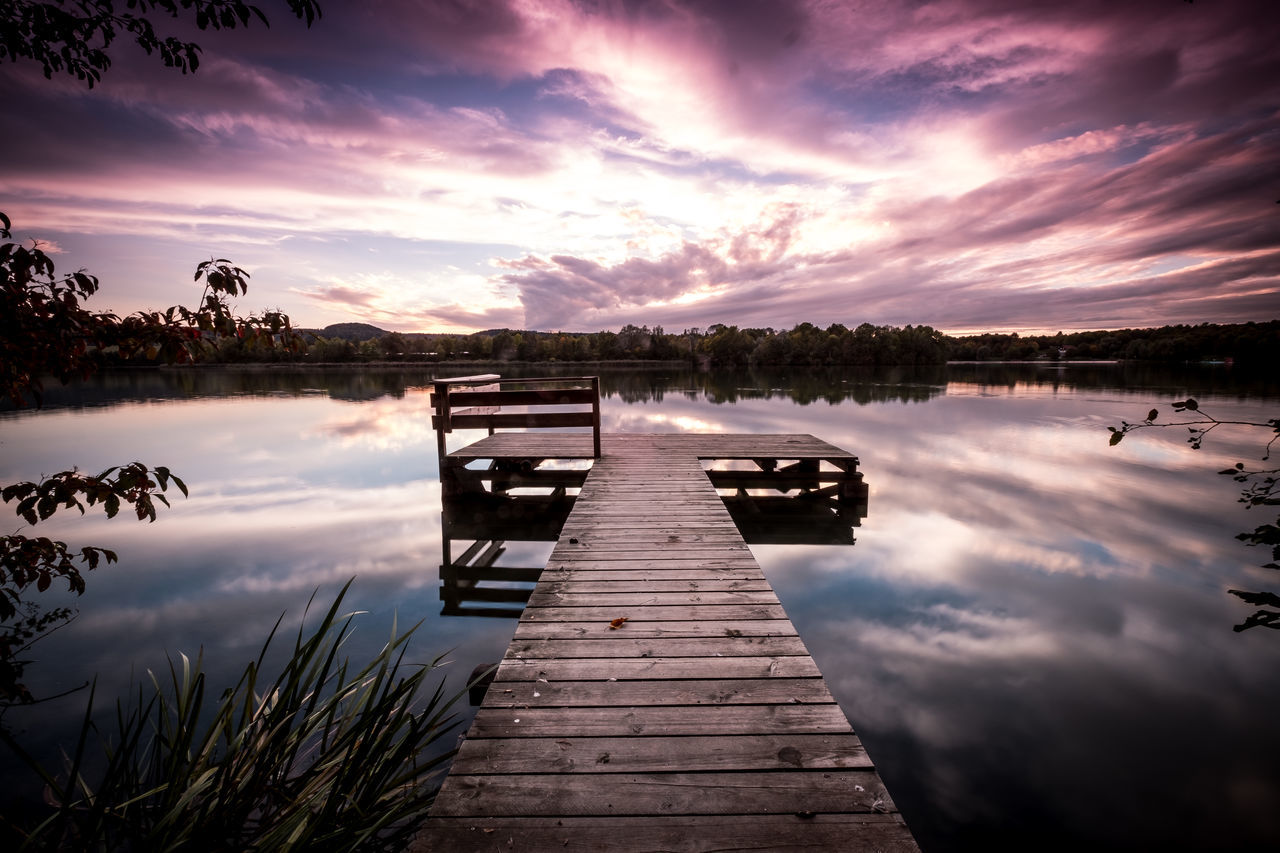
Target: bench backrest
x=475, y=402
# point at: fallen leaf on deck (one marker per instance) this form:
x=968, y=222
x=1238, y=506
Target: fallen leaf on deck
x=617, y=623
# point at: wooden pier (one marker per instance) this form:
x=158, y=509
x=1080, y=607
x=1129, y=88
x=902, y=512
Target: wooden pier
x=655, y=696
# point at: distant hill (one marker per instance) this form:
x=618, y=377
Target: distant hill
x=354, y=332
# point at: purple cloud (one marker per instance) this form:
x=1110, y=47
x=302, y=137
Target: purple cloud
x=966, y=163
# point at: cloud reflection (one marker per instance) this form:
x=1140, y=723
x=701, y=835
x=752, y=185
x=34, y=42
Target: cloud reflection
x=1032, y=635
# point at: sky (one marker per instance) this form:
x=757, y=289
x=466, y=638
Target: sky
x=972, y=165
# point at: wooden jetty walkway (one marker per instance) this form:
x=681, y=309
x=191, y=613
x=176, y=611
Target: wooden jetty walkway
x=655, y=696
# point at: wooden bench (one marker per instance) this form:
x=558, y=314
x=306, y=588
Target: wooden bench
x=475, y=402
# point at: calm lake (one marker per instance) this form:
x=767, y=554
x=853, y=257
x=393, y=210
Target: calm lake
x=1032, y=633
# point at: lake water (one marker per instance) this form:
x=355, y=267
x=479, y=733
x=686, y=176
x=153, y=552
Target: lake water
x=1032, y=634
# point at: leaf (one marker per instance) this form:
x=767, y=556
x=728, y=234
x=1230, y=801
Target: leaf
x=1116, y=438
x=1192, y=405
x=1153, y=414
x=27, y=509
x=617, y=623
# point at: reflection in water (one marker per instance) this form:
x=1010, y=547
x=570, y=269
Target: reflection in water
x=1033, y=636
x=476, y=527
x=471, y=584
x=661, y=382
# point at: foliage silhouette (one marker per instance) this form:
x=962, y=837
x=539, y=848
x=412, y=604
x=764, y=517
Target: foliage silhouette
x=46, y=330
x=74, y=37
x=323, y=757
x=1260, y=487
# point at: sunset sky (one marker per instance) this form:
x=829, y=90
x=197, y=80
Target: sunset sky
x=972, y=165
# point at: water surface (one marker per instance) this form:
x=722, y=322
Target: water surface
x=1032, y=634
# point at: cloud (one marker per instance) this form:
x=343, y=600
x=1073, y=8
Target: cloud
x=962, y=163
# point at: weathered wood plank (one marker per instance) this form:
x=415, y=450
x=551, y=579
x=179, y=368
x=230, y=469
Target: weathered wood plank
x=655, y=552
x=697, y=753
x=645, y=669
x=675, y=613
x=638, y=599
x=692, y=834
x=524, y=397
x=639, y=627
x=632, y=538
x=775, y=792
x=658, y=561
x=575, y=573
x=659, y=720
x=583, y=694
x=621, y=645
x=523, y=420
x=581, y=587
x=719, y=446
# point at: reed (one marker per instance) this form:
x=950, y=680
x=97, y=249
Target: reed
x=324, y=757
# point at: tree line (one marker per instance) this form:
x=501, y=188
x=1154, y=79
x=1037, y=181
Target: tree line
x=803, y=345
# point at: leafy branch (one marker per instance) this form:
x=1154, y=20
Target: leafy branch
x=1198, y=429
x=73, y=36
x=46, y=331
x=1260, y=487
x=16, y=640
x=132, y=484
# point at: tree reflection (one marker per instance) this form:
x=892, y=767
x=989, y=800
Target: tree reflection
x=652, y=383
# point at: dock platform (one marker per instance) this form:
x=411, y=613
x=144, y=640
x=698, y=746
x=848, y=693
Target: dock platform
x=655, y=696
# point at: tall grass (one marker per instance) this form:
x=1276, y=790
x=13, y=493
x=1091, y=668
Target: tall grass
x=325, y=757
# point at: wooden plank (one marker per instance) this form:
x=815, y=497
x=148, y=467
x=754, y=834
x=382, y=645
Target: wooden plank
x=523, y=397
x=724, y=691
x=572, y=572
x=657, y=550
x=659, y=720
x=639, y=599
x=579, y=754
x=677, y=613
x=523, y=445
x=789, y=833
x=628, y=535
x=647, y=669
x=621, y=645
x=466, y=380
x=719, y=446
x=776, y=792
x=522, y=420
x=581, y=587
x=640, y=628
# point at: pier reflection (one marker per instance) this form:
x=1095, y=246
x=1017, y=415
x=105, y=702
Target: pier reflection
x=474, y=530
x=476, y=527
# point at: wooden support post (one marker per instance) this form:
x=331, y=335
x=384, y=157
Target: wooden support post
x=595, y=413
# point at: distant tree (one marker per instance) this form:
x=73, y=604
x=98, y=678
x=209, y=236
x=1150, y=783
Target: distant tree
x=393, y=345
x=73, y=36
